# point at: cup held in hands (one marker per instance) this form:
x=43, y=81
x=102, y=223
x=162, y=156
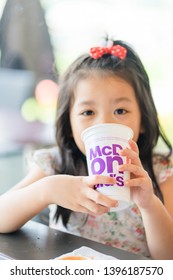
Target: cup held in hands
x=103, y=143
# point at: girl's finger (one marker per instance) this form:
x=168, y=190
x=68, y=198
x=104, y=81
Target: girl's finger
x=135, y=169
x=95, y=209
x=98, y=179
x=131, y=155
x=133, y=146
x=136, y=182
x=89, y=207
x=100, y=198
x=96, y=196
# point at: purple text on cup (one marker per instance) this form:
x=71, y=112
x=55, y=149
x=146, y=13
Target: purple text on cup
x=101, y=160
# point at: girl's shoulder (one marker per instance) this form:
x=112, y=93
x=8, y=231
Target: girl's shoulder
x=163, y=167
x=47, y=159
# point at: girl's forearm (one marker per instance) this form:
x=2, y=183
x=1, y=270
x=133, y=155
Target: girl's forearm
x=159, y=230
x=21, y=205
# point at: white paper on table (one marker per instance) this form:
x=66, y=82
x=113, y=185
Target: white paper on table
x=88, y=253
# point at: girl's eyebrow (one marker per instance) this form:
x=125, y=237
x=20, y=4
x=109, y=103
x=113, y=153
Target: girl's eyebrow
x=87, y=102
x=121, y=99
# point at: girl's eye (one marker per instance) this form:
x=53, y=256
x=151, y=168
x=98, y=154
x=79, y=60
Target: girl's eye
x=88, y=113
x=120, y=112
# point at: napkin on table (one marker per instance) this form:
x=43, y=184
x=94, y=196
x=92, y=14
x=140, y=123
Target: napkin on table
x=88, y=253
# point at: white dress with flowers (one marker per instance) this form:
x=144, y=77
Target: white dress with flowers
x=123, y=229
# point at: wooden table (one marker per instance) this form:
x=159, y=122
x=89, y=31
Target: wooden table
x=35, y=241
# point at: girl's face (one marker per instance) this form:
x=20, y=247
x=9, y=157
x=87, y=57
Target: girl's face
x=103, y=100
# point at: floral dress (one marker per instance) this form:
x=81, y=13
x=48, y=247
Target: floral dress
x=122, y=229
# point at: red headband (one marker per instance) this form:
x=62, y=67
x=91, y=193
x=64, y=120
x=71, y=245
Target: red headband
x=115, y=50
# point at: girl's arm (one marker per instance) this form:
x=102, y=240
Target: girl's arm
x=23, y=201
x=158, y=222
x=157, y=218
x=36, y=192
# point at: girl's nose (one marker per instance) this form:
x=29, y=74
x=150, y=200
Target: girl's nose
x=106, y=119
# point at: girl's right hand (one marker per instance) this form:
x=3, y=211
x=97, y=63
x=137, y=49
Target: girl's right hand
x=78, y=194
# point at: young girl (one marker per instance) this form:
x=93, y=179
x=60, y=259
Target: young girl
x=108, y=85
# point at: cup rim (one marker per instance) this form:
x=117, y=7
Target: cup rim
x=107, y=125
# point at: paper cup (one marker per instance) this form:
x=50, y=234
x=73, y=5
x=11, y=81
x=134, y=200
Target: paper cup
x=103, y=143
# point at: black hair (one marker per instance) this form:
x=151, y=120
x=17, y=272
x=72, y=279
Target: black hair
x=132, y=71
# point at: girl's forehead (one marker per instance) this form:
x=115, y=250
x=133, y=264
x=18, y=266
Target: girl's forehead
x=106, y=81
x=100, y=75
x=96, y=80
x=110, y=87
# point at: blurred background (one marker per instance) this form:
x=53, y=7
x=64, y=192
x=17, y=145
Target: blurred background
x=39, y=39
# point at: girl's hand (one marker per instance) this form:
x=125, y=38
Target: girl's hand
x=140, y=182
x=77, y=193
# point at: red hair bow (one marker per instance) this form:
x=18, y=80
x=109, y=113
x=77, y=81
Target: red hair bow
x=115, y=50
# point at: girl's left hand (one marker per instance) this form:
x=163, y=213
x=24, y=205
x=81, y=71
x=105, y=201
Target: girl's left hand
x=139, y=182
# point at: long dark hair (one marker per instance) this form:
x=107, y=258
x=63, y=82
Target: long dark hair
x=132, y=71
